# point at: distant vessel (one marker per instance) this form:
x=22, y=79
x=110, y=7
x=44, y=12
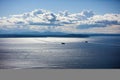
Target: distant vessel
x=86, y=41
x=63, y=43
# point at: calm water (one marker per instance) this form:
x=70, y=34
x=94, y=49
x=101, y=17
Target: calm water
x=98, y=53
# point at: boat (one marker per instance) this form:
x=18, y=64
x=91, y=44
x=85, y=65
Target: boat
x=63, y=43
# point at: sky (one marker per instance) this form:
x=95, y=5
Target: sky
x=10, y=7
x=70, y=16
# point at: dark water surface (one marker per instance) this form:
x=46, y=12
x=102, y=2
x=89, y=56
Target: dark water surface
x=99, y=53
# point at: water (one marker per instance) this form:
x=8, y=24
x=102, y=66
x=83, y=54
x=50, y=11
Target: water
x=38, y=53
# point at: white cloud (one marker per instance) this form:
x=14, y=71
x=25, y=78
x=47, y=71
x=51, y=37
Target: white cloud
x=42, y=20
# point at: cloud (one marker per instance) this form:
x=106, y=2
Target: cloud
x=43, y=20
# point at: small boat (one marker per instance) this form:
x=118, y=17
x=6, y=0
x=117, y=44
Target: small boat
x=86, y=41
x=63, y=43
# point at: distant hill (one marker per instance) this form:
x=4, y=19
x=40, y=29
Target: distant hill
x=7, y=34
x=42, y=34
x=37, y=35
x=103, y=34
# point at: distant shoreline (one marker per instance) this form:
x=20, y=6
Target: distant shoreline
x=67, y=35
x=33, y=35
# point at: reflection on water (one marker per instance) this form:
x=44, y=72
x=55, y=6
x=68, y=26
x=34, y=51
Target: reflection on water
x=99, y=52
